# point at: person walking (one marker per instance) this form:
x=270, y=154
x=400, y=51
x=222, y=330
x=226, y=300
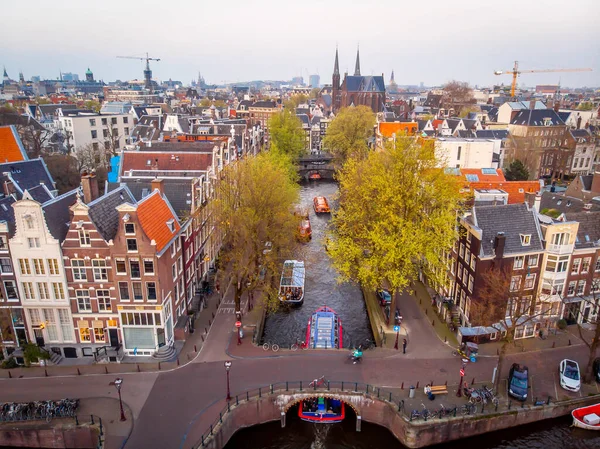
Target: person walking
x=404, y=343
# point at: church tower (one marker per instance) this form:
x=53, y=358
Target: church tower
x=335, y=101
x=357, y=66
x=89, y=76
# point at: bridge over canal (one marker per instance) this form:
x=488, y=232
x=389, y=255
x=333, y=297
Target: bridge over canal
x=316, y=165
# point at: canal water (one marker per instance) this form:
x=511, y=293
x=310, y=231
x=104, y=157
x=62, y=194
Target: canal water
x=321, y=288
x=548, y=434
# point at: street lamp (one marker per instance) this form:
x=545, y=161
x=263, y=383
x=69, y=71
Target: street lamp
x=118, y=385
x=227, y=367
x=460, y=385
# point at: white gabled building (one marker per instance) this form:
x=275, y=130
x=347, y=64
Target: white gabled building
x=457, y=152
x=37, y=258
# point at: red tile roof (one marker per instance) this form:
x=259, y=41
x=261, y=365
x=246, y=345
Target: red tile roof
x=482, y=177
x=179, y=161
x=153, y=213
x=10, y=145
x=516, y=189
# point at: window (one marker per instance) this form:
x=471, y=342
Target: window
x=84, y=304
x=129, y=228
x=178, y=243
x=571, y=288
x=529, y=281
x=104, y=121
x=84, y=334
x=458, y=153
x=148, y=266
x=575, y=266
x=3, y=245
x=124, y=291
x=29, y=221
x=134, y=266
x=6, y=266
x=50, y=319
x=38, y=265
x=103, y=297
x=105, y=135
x=470, y=283
x=121, y=266
x=557, y=264
x=113, y=120
x=53, y=266
x=532, y=261
x=78, y=267
x=28, y=290
x=43, y=291
x=92, y=122
x=126, y=131
x=84, y=237
x=24, y=266
x=560, y=238
x=597, y=264
x=585, y=264
x=11, y=291
x=94, y=134
x=515, y=283
x=173, y=250
x=174, y=271
x=137, y=291
x=125, y=120
x=100, y=270
x=180, y=264
x=151, y=291
x=132, y=245
x=33, y=242
x=99, y=335
x=59, y=290
x=473, y=261
x=580, y=288
x=525, y=239
x=518, y=263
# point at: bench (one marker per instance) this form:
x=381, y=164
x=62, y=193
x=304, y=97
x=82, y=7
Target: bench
x=436, y=389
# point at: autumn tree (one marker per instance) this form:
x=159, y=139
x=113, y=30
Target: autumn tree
x=111, y=134
x=64, y=170
x=314, y=92
x=458, y=95
x=506, y=304
x=348, y=133
x=396, y=216
x=255, y=219
x=298, y=99
x=286, y=133
x=516, y=171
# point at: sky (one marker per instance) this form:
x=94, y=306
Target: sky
x=240, y=40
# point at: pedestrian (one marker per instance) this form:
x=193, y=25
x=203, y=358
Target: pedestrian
x=404, y=343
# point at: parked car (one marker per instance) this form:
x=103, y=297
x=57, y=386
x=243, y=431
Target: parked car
x=518, y=381
x=570, y=379
x=596, y=369
x=385, y=298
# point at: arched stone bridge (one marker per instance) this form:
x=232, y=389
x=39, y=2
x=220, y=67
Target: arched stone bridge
x=321, y=164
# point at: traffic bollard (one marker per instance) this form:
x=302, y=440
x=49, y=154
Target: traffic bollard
x=138, y=368
x=402, y=386
x=78, y=372
x=45, y=372
x=417, y=385
x=195, y=348
x=473, y=382
x=105, y=369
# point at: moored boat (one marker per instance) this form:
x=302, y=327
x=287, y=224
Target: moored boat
x=304, y=230
x=321, y=205
x=291, y=286
x=324, y=330
x=587, y=417
x=322, y=410
x=315, y=175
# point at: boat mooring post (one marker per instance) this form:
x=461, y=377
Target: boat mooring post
x=358, y=421
x=282, y=420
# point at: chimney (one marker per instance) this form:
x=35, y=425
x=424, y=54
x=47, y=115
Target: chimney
x=158, y=184
x=499, y=242
x=531, y=104
x=536, y=203
x=89, y=184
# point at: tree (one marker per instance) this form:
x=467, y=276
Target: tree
x=458, y=92
x=287, y=134
x=465, y=111
x=516, y=171
x=34, y=138
x=112, y=134
x=93, y=105
x=505, y=304
x=298, y=99
x=347, y=135
x=396, y=216
x=314, y=93
x=585, y=106
x=592, y=342
x=91, y=157
x=64, y=170
x=255, y=219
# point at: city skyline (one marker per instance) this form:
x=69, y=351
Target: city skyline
x=240, y=42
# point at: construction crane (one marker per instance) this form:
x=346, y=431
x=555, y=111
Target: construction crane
x=147, y=72
x=515, y=72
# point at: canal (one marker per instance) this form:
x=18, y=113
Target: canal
x=321, y=288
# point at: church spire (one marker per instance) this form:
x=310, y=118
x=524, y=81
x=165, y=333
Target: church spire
x=392, y=77
x=357, y=67
x=336, y=65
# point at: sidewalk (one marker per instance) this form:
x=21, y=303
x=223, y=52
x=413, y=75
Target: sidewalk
x=423, y=296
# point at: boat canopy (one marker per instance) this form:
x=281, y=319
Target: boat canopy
x=292, y=274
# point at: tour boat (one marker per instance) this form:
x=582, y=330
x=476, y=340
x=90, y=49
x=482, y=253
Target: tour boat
x=320, y=204
x=321, y=410
x=315, y=175
x=324, y=330
x=304, y=230
x=291, y=287
x=587, y=417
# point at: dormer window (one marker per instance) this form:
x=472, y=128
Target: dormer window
x=525, y=239
x=29, y=221
x=171, y=225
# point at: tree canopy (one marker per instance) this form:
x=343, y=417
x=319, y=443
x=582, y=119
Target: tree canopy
x=249, y=212
x=397, y=213
x=516, y=171
x=348, y=133
x=287, y=134
x=458, y=92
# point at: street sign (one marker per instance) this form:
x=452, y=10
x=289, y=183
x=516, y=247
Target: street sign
x=238, y=324
x=462, y=372
x=396, y=328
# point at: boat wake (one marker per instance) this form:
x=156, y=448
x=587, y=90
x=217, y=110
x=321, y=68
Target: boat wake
x=320, y=432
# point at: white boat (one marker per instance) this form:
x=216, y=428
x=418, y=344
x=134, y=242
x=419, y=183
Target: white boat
x=587, y=417
x=291, y=287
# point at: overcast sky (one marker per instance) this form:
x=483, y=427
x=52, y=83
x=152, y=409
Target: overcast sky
x=239, y=40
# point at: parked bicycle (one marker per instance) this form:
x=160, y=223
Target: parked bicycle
x=468, y=409
x=37, y=410
x=321, y=381
x=274, y=346
x=299, y=344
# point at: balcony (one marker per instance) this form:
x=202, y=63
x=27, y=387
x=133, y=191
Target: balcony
x=559, y=249
x=552, y=276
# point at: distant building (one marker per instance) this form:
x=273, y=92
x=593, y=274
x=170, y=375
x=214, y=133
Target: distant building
x=68, y=76
x=314, y=81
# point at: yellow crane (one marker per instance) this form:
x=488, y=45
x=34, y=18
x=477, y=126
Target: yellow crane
x=147, y=71
x=515, y=72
